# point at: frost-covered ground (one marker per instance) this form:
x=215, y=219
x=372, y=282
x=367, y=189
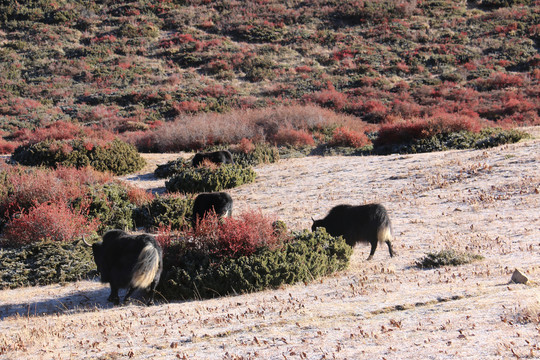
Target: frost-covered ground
x=485, y=202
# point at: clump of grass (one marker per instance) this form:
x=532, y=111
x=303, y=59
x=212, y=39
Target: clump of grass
x=447, y=257
x=530, y=313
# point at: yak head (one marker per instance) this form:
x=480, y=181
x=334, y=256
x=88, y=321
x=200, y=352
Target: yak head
x=316, y=224
x=97, y=250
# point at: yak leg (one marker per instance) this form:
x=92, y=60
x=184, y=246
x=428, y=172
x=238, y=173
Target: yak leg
x=130, y=291
x=373, y=248
x=152, y=293
x=390, y=248
x=114, y=296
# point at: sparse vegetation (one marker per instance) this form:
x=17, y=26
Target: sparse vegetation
x=447, y=257
x=86, y=67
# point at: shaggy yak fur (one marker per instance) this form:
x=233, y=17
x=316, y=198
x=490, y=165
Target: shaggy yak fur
x=363, y=223
x=128, y=261
x=217, y=157
x=219, y=202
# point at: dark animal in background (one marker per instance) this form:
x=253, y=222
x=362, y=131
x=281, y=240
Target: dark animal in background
x=363, y=223
x=219, y=202
x=217, y=157
x=128, y=261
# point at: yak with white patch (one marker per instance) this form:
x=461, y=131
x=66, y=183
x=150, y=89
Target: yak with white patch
x=128, y=261
x=217, y=157
x=362, y=223
x=220, y=203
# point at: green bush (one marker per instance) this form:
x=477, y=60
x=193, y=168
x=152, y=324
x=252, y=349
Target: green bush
x=446, y=257
x=110, y=204
x=489, y=137
x=261, y=154
x=500, y=3
x=45, y=263
x=171, y=168
x=192, y=274
x=467, y=140
x=202, y=179
x=174, y=211
x=117, y=156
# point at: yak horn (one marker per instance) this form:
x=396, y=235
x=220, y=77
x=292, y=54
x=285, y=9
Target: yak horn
x=84, y=241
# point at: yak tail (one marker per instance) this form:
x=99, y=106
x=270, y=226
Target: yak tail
x=146, y=267
x=384, y=234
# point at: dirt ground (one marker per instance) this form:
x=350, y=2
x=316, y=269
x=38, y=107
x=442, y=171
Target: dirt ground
x=485, y=202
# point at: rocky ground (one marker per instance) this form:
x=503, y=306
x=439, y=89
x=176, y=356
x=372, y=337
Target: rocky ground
x=483, y=202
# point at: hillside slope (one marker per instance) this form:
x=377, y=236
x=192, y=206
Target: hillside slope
x=484, y=202
x=130, y=66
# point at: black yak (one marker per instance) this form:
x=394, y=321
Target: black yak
x=217, y=157
x=128, y=261
x=363, y=223
x=219, y=202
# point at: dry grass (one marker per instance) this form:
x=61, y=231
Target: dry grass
x=385, y=308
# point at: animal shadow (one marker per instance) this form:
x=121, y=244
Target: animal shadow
x=76, y=301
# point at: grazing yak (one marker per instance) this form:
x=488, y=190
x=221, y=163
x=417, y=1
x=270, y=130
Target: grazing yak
x=128, y=261
x=363, y=223
x=219, y=202
x=217, y=157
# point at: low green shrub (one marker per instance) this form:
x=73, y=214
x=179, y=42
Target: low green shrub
x=190, y=273
x=260, y=154
x=495, y=137
x=490, y=4
x=252, y=156
x=489, y=137
x=171, y=168
x=117, y=156
x=202, y=179
x=111, y=206
x=168, y=210
x=45, y=263
x=446, y=257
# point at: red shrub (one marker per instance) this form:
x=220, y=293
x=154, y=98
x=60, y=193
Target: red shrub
x=293, y=137
x=59, y=130
x=81, y=176
x=23, y=188
x=48, y=221
x=500, y=80
x=235, y=237
x=7, y=147
x=189, y=106
x=165, y=236
x=330, y=98
x=407, y=131
x=246, y=146
x=345, y=137
x=303, y=69
x=374, y=111
x=406, y=109
x=139, y=196
x=219, y=91
x=243, y=236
